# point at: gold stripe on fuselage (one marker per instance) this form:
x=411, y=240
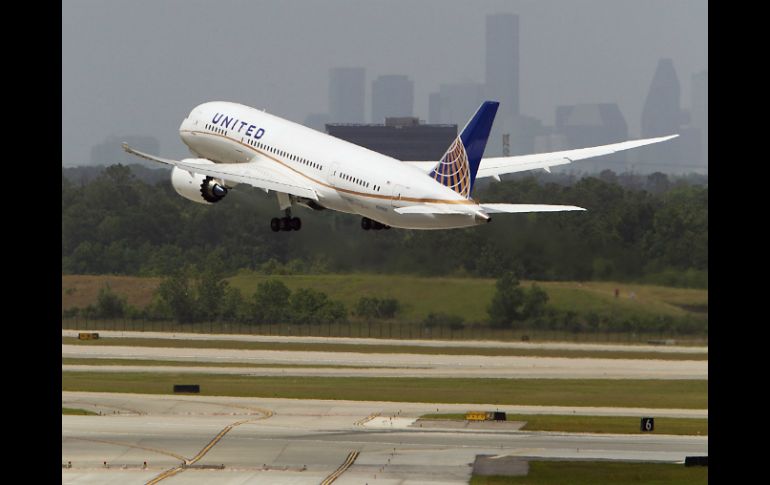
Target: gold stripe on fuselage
x=338, y=189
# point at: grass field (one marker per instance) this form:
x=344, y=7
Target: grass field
x=465, y=297
x=77, y=412
x=593, y=472
x=382, y=349
x=598, y=424
x=685, y=394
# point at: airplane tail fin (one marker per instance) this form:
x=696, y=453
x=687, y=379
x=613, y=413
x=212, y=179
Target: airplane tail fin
x=457, y=168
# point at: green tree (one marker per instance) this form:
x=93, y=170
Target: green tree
x=508, y=302
x=535, y=302
x=233, y=306
x=270, y=303
x=377, y=307
x=176, y=293
x=109, y=304
x=310, y=306
x=455, y=322
x=211, y=291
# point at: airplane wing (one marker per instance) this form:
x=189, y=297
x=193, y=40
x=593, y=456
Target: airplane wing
x=487, y=208
x=264, y=174
x=515, y=208
x=496, y=166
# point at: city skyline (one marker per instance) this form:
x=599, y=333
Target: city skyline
x=552, y=64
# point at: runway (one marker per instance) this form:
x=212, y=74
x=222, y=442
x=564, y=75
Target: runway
x=282, y=441
x=418, y=343
x=390, y=364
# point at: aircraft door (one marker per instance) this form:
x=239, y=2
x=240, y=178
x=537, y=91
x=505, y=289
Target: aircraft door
x=334, y=174
x=399, y=191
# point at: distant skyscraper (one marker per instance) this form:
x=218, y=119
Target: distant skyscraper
x=346, y=94
x=588, y=125
x=110, y=151
x=502, y=51
x=662, y=115
x=434, y=108
x=699, y=111
x=317, y=121
x=392, y=96
x=455, y=103
x=662, y=112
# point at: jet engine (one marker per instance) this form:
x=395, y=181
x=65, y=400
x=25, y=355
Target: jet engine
x=196, y=187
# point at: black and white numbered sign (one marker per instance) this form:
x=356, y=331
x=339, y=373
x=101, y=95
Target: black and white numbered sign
x=648, y=424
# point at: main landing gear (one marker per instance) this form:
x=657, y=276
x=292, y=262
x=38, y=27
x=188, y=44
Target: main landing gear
x=287, y=223
x=367, y=224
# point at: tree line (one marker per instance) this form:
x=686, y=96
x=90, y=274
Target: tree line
x=645, y=229
x=191, y=296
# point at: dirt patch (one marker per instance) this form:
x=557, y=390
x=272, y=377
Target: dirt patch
x=508, y=466
x=462, y=424
x=694, y=308
x=82, y=290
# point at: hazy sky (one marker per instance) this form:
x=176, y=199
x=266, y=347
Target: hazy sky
x=137, y=67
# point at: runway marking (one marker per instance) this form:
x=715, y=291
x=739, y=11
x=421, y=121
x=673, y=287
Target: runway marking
x=365, y=420
x=118, y=443
x=265, y=412
x=96, y=405
x=342, y=468
x=166, y=474
x=206, y=449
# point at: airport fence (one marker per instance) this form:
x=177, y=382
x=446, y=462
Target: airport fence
x=379, y=330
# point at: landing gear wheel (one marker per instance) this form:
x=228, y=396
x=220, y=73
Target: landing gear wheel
x=376, y=226
x=296, y=223
x=366, y=223
x=285, y=224
x=275, y=224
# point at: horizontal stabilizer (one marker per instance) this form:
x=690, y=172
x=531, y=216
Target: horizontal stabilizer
x=514, y=208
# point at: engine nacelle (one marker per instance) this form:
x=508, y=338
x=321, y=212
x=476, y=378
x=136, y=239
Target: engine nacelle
x=196, y=187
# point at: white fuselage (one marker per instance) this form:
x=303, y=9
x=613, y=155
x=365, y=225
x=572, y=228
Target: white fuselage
x=345, y=177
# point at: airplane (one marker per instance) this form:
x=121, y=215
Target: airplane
x=236, y=144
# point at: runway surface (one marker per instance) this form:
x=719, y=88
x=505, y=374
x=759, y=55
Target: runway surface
x=282, y=441
x=390, y=365
x=422, y=343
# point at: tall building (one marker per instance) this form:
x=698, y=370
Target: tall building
x=699, y=112
x=662, y=115
x=434, y=107
x=594, y=124
x=346, y=94
x=455, y=103
x=392, y=96
x=502, y=62
x=401, y=138
x=110, y=151
x=317, y=121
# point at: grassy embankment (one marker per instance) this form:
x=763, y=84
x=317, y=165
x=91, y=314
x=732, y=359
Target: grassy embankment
x=77, y=412
x=419, y=296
